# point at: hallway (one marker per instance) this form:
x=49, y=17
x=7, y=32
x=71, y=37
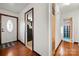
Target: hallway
x=66, y=49
x=65, y=28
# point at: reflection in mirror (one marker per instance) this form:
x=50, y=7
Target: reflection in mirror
x=29, y=28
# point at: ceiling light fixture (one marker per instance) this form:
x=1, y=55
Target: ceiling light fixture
x=66, y=3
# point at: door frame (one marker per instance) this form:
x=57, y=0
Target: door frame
x=1, y=23
x=53, y=29
x=69, y=19
x=32, y=9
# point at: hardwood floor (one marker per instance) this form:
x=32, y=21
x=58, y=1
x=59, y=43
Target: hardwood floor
x=17, y=50
x=68, y=49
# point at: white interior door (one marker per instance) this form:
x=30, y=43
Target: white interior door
x=8, y=29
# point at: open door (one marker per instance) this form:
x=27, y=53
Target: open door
x=29, y=34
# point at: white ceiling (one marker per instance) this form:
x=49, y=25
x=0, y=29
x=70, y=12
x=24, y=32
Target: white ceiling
x=14, y=7
x=71, y=7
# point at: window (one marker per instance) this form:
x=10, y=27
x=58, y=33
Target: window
x=9, y=26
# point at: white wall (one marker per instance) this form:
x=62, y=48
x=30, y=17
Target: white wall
x=58, y=25
x=8, y=12
x=75, y=18
x=50, y=28
x=41, y=18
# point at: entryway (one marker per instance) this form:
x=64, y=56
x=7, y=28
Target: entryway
x=8, y=30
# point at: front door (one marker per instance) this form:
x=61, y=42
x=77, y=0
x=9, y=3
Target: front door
x=8, y=29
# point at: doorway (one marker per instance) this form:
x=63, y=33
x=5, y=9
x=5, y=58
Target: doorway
x=68, y=29
x=8, y=30
x=29, y=29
